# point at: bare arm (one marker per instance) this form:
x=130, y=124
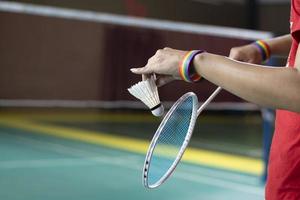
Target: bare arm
x=250, y=53
x=280, y=45
x=267, y=86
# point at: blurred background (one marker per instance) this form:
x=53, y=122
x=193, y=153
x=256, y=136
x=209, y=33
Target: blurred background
x=70, y=129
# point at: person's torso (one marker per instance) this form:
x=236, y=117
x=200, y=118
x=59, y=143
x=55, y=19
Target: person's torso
x=284, y=164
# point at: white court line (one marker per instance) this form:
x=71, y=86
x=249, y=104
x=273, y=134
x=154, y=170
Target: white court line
x=58, y=162
x=64, y=149
x=62, y=162
x=130, y=162
x=50, y=11
x=54, y=147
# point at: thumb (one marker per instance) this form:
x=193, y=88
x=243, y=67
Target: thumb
x=143, y=70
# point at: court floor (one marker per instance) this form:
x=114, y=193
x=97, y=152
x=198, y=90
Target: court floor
x=70, y=155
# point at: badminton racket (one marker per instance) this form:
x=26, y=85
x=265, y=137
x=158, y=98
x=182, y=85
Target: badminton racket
x=171, y=138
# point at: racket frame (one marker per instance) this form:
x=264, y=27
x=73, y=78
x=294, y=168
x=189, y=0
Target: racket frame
x=147, y=163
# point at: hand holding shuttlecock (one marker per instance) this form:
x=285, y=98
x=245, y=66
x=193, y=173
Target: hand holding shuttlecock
x=147, y=92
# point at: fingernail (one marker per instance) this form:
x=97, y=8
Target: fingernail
x=133, y=69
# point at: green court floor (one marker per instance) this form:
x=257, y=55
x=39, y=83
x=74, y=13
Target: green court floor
x=52, y=155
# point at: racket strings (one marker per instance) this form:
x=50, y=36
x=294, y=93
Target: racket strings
x=170, y=141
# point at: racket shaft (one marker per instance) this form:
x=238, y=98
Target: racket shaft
x=210, y=98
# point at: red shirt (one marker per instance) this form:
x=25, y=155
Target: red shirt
x=284, y=164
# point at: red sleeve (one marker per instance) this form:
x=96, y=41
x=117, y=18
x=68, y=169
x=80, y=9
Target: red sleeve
x=295, y=19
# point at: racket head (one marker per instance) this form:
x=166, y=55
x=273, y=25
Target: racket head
x=170, y=141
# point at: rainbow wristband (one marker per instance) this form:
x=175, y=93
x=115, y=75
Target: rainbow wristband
x=264, y=49
x=185, y=65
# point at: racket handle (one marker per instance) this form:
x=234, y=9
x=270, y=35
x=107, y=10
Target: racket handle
x=210, y=98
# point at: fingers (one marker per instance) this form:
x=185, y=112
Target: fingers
x=163, y=80
x=169, y=49
x=143, y=70
x=145, y=76
x=247, y=53
x=235, y=54
x=165, y=62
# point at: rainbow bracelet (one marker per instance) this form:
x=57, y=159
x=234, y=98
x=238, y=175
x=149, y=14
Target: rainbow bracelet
x=185, y=65
x=264, y=49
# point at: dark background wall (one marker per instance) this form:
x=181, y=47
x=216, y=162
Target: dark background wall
x=55, y=58
x=269, y=15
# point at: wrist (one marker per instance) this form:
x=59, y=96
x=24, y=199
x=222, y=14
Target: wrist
x=187, y=69
x=199, y=61
x=263, y=48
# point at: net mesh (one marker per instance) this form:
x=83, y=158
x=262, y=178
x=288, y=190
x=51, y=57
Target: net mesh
x=171, y=138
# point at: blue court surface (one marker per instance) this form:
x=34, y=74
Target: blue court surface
x=44, y=157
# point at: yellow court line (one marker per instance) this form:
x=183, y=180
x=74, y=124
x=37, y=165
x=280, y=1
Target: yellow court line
x=192, y=155
x=115, y=117
x=83, y=117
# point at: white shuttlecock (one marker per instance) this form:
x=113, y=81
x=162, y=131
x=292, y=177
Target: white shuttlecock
x=147, y=92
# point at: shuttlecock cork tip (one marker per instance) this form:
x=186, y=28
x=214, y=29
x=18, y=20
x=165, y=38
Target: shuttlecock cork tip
x=158, y=110
x=147, y=92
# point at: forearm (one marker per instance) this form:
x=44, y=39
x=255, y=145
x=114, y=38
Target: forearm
x=280, y=45
x=266, y=86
